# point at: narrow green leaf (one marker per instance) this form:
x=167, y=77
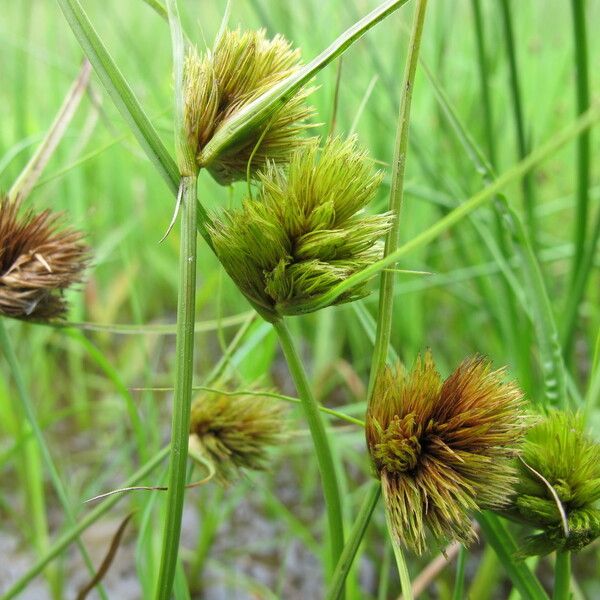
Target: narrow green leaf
x=120, y=91
x=461, y=211
x=539, y=305
x=503, y=543
x=263, y=107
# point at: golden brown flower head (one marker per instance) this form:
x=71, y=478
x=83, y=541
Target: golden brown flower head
x=234, y=432
x=443, y=449
x=38, y=260
x=222, y=82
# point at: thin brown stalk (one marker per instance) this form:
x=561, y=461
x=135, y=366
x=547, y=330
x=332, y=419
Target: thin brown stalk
x=33, y=169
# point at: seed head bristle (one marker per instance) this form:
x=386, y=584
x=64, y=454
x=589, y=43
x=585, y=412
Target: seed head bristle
x=235, y=432
x=443, y=449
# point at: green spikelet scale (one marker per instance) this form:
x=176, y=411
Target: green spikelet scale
x=306, y=231
x=558, y=453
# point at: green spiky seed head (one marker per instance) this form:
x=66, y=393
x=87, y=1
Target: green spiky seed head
x=443, y=449
x=235, y=432
x=39, y=260
x=557, y=453
x=220, y=83
x=306, y=231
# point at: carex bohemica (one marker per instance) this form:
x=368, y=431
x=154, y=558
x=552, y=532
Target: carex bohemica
x=443, y=449
x=306, y=230
x=234, y=432
x=559, y=485
x=241, y=67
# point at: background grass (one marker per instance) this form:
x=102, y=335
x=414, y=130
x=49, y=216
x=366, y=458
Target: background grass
x=268, y=527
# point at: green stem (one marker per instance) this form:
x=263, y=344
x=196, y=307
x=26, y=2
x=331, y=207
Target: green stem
x=75, y=531
x=517, y=104
x=182, y=396
x=354, y=539
x=13, y=363
x=459, y=582
x=388, y=277
x=483, y=78
x=583, y=142
x=562, y=576
x=321, y=443
x=500, y=539
x=580, y=266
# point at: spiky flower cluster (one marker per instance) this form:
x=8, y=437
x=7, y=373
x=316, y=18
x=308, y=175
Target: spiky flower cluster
x=443, y=449
x=234, y=432
x=558, y=454
x=306, y=231
x=241, y=67
x=38, y=260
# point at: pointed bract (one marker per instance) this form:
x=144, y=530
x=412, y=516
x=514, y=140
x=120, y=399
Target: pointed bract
x=443, y=449
x=39, y=259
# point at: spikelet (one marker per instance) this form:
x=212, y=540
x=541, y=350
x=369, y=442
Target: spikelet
x=39, y=259
x=443, y=449
x=220, y=83
x=306, y=231
x=234, y=432
x=558, y=453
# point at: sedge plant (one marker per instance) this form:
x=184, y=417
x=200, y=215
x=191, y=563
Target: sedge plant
x=251, y=123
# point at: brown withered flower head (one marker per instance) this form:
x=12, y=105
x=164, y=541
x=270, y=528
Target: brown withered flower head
x=234, y=432
x=242, y=66
x=39, y=259
x=443, y=449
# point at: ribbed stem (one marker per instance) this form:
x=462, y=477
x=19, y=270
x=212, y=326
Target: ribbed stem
x=321, y=444
x=182, y=396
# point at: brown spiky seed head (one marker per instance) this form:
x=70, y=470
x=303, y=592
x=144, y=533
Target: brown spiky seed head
x=218, y=84
x=306, y=231
x=39, y=259
x=234, y=432
x=443, y=449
